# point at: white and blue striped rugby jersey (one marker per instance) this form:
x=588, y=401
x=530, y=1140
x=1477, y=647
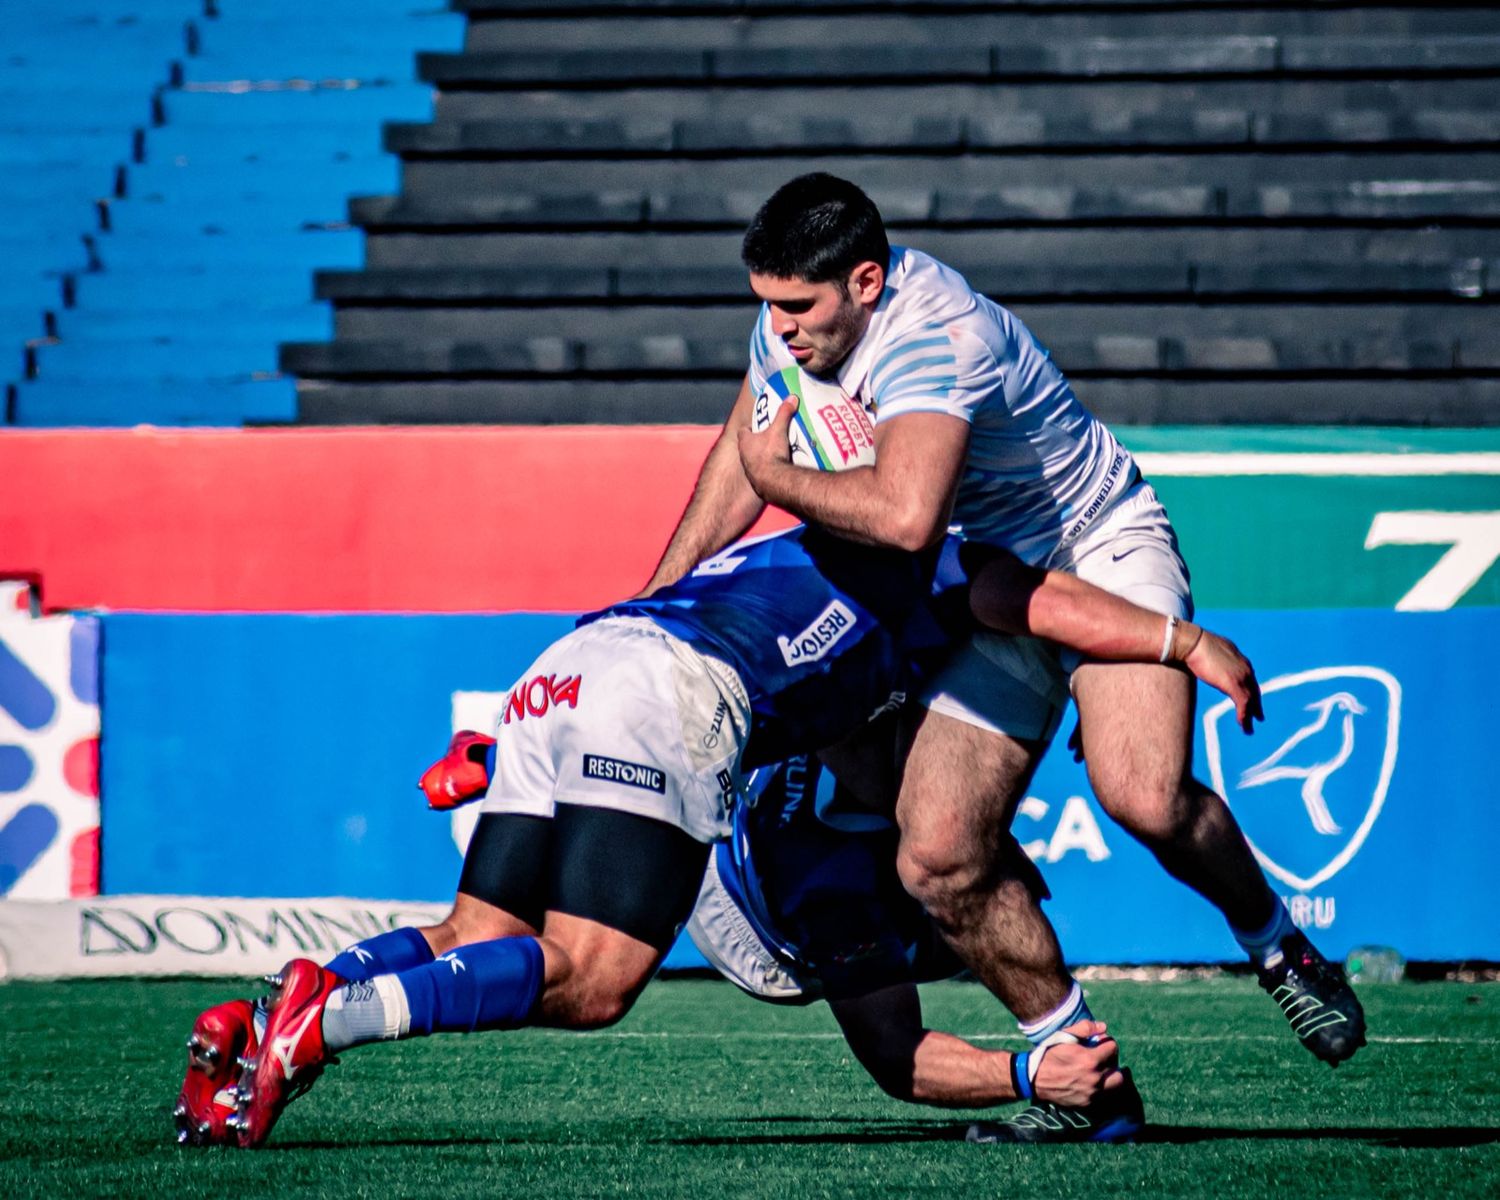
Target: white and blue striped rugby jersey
x=1041, y=468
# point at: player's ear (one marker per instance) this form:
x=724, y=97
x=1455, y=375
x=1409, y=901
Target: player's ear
x=866, y=282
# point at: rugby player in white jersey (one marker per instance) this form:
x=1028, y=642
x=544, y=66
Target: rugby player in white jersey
x=978, y=431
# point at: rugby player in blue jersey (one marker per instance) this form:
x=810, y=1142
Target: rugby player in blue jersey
x=803, y=903
x=977, y=432
x=619, y=760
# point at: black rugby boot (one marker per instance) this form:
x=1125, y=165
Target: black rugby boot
x=1316, y=999
x=1117, y=1116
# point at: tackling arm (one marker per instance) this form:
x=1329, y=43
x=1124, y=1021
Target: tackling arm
x=903, y=501
x=910, y=1062
x=1015, y=598
x=722, y=506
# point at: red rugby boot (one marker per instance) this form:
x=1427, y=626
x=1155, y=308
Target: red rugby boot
x=461, y=774
x=223, y=1038
x=291, y=1054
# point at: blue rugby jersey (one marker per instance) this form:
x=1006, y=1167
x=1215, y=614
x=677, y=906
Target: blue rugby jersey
x=823, y=633
x=823, y=898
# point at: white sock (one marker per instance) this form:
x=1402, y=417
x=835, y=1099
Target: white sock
x=369, y=1011
x=1073, y=1009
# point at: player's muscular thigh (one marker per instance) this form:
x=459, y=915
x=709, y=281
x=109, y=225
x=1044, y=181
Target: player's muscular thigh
x=958, y=796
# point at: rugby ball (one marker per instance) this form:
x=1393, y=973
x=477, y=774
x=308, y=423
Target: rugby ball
x=831, y=431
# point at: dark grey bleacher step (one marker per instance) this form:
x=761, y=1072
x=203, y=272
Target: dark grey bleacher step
x=514, y=402
x=897, y=101
x=634, y=189
x=1468, y=323
x=1391, y=199
x=483, y=206
x=811, y=24
x=1359, y=127
x=1084, y=59
x=1121, y=401
x=1469, y=278
x=992, y=132
x=962, y=248
x=469, y=323
x=474, y=285
x=1417, y=17
x=724, y=357
x=1458, y=402
x=344, y=359
x=509, y=9
x=1384, y=200
x=1439, y=53
x=1234, y=356
x=562, y=67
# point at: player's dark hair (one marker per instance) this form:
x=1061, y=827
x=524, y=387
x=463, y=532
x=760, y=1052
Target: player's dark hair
x=816, y=228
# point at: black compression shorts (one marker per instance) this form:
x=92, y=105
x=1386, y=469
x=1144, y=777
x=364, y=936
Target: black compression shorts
x=631, y=873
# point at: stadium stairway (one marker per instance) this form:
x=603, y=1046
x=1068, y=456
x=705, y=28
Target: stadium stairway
x=176, y=170
x=1211, y=212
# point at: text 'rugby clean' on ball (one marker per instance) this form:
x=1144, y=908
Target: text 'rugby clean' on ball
x=830, y=432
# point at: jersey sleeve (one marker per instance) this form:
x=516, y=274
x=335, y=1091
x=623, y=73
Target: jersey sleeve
x=761, y=366
x=934, y=367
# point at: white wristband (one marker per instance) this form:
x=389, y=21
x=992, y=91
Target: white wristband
x=1166, y=639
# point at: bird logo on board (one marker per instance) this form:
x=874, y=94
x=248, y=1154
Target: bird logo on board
x=1308, y=788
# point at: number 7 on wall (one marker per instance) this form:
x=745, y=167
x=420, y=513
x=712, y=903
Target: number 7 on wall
x=1475, y=542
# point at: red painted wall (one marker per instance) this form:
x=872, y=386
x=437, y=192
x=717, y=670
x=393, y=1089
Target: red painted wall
x=429, y=519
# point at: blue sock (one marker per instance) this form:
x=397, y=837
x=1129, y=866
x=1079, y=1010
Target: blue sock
x=1263, y=943
x=489, y=985
x=383, y=954
x=1073, y=1009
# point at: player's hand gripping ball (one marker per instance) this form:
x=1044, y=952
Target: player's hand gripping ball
x=830, y=431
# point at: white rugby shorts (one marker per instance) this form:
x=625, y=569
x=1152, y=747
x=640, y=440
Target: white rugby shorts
x=620, y=714
x=1019, y=686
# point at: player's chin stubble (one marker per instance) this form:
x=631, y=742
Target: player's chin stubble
x=838, y=341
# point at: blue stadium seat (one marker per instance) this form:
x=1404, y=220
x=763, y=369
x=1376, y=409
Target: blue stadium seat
x=56, y=179
x=104, y=106
x=322, y=191
x=122, y=10
x=23, y=147
x=194, y=292
x=229, y=356
x=40, y=251
x=30, y=290
x=292, y=141
x=306, y=250
x=173, y=309
x=271, y=324
x=226, y=110
x=155, y=402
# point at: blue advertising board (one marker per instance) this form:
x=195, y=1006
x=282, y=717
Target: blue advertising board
x=278, y=756
x=1368, y=796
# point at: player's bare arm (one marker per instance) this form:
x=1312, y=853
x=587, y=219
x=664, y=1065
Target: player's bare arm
x=926, y=1066
x=1016, y=598
x=722, y=506
x=903, y=500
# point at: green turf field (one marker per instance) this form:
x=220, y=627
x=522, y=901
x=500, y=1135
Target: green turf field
x=702, y=1093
